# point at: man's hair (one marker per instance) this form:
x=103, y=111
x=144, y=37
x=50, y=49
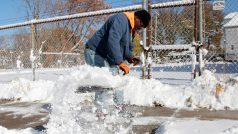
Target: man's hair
x=144, y=16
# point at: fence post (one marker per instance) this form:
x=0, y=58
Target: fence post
x=143, y=57
x=148, y=43
x=32, y=55
x=195, y=34
x=156, y=29
x=200, y=36
x=194, y=59
x=12, y=60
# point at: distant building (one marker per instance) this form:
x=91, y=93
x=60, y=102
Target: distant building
x=230, y=28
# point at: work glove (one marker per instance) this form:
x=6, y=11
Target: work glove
x=124, y=68
x=134, y=60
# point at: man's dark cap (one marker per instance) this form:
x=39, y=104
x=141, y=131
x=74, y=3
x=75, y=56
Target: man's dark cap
x=144, y=16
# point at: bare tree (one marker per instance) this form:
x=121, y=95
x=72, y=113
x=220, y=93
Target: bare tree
x=85, y=27
x=22, y=46
x=63, y=36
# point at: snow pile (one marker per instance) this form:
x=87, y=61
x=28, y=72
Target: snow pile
x=68, y=107
x=206, y=91
x=203, y=91
x=27, y=90
x=201, y=94
x=17, y=131
x=140, y=92
x=68, y=119
x=194, y=126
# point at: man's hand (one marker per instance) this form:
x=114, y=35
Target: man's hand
x=135, y=61
x=124, y=68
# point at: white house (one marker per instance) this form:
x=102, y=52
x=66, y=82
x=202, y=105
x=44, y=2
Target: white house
x=230, y=28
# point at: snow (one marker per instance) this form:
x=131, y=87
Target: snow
x=231, y=15
x=59, y=90
x=27, y=90
x=14, y=131
x=173, y=47
x=195, y=126
x=231, y=20
x=32, y=56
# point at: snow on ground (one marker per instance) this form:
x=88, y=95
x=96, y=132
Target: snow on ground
x=15, y=131
x=27, y=90
x=205, y=91
x=194, y=126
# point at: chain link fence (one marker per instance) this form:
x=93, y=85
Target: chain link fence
x=60, y=44
x=221, y=32
x=172, y=52
x=175, y=26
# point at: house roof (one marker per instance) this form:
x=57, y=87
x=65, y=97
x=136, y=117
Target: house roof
x=232, y=20
x=231, y=15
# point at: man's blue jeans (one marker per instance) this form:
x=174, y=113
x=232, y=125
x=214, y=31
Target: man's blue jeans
x=94, y=59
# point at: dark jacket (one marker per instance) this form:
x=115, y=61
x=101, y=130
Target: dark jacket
x=113, y=40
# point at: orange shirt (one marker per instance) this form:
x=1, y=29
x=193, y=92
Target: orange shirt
x=130, y=16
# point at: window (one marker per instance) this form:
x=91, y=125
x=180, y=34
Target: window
x=232, y=47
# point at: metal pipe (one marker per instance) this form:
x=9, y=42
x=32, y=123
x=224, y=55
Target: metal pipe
x=195, y=31
x=156, y=26
x=200, y=21
x=32, y=55
x=148, y=43
x=143, y=68
x=200, y=35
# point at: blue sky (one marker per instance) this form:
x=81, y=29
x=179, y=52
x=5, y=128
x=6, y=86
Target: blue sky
x=11, y=11
x=231, y=6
